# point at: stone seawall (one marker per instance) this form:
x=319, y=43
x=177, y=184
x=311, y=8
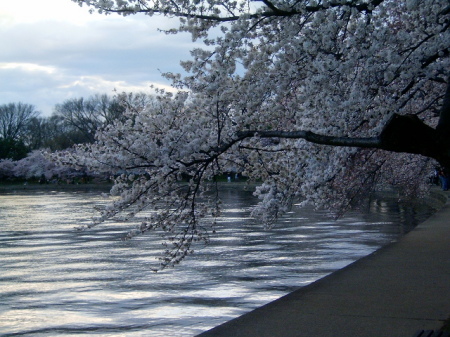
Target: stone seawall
x=396, y=291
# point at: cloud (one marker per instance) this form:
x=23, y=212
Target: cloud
x=63, y=52
x=28, y=11
x=27, y=67
x=31, y=83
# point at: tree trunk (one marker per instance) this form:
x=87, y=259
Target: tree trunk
x=443, y=127
x=409, y=134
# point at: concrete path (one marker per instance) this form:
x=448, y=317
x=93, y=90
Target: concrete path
x=399, y=289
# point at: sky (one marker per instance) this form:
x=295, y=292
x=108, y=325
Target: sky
x=54, y=50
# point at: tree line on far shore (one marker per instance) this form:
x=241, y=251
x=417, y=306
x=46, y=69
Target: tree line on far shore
x=24, y=133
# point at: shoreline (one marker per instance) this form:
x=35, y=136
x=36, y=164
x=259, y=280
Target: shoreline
x=401, y=288
x=14, y=188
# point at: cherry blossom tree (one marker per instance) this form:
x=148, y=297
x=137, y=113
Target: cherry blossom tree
x=6, y=168
x=319, y=100
x=36, y=166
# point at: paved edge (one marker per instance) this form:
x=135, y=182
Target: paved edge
x=399, y=289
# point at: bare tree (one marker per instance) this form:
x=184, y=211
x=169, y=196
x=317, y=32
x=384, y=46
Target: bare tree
x=15, y=118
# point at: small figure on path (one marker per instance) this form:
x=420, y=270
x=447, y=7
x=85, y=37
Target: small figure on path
x=443, y=178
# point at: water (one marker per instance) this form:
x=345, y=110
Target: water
x=56, y=281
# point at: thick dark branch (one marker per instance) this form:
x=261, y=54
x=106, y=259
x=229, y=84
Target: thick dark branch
x=272, y=12
x=274, y=9
x=407, y=134
x=362, y=7
x=402, y=133
x=182, y=14
x=373, y=142
x=214, y=153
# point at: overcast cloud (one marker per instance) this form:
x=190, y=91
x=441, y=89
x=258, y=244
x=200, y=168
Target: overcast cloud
x=53, y=50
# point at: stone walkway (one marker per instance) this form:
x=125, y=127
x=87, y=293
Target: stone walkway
x=396, y=291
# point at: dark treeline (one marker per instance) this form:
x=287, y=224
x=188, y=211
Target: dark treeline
x=75, y=121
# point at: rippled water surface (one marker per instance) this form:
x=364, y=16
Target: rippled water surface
x=56, y=281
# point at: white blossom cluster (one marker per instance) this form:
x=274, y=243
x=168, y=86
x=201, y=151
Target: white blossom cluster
x=33, y=167
x=332, y=67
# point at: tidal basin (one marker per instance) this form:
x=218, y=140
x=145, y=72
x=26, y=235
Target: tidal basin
x=56, y=281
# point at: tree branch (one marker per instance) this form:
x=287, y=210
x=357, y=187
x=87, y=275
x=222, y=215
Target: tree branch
x=402, y=133
x=372, y=142
x=273, y=10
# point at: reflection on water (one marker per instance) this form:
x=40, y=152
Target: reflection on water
x=56, y=281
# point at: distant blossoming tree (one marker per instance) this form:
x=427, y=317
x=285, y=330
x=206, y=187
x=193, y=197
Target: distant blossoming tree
x=321, y=100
